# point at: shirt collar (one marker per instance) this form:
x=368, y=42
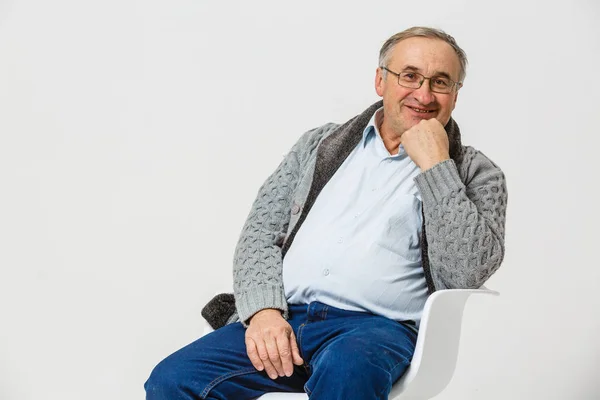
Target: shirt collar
x=372, y=129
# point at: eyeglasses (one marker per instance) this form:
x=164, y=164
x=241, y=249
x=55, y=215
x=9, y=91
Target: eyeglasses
x=414, y=80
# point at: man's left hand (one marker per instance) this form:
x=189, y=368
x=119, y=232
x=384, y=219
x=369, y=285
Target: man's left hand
x=426, y=143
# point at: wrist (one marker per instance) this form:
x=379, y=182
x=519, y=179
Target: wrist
x=266, y=311
x=432, y=163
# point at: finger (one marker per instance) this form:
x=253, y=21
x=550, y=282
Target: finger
x=285, y=354
x=274, y=355
x=263, y=354
x=270, y=369
x=295, y=350
x=252, y=352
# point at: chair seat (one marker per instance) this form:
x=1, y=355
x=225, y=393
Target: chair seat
x=436, y=350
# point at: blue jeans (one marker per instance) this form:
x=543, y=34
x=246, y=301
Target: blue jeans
x=347, y=355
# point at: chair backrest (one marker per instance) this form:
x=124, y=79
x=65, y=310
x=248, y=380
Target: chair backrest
x=436, y=351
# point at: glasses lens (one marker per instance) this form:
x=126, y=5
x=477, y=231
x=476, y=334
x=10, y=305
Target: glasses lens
x=441, y=84
x=410, y=79
x=413, y=80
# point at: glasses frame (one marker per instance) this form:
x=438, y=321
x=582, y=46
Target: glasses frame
x=458, y=85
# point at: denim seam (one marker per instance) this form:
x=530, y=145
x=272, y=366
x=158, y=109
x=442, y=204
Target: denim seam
x=222, y=378
x=299, y=338
x=324, y=313
x=307, y=390
x=403, y=361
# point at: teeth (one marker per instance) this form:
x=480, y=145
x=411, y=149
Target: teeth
x=421, y=111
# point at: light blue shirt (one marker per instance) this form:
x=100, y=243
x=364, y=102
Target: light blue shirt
x=359, y=247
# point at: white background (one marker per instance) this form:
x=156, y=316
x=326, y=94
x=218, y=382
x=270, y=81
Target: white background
x=134, y=136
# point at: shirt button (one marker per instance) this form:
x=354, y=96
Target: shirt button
x=295, y=209
x=340, y=240
x=325, y=272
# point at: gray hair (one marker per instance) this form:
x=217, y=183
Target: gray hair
x=421, y=31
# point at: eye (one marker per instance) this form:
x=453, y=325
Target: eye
x=441, y=82
x=409, y=76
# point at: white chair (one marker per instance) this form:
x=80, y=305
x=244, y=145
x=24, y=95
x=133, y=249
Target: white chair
x=436, y=350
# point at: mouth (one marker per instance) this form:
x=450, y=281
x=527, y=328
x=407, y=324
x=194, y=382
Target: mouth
x=421, y=111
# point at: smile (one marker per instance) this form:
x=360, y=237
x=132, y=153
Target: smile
x=421, y=111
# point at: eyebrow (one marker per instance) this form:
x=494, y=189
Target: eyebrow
x=413, y=68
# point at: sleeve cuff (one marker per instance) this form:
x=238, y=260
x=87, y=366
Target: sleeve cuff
x=260, y=298
x=438, y=182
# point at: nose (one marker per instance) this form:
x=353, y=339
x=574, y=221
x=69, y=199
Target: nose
x=424, y=94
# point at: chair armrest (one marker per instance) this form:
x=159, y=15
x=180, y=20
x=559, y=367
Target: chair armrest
x=436, y=350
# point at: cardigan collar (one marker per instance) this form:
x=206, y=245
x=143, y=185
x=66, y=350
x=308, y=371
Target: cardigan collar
x=339, y=144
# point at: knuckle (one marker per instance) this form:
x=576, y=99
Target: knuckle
x=285, y=352
x=283, y=331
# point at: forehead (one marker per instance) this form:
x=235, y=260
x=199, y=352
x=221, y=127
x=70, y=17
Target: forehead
x=428, y=55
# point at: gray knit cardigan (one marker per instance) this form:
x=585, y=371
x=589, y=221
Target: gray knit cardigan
x=464, y=210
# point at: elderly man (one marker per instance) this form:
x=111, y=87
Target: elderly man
x=347, y=238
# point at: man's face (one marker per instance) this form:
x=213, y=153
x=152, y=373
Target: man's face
x=405, y=107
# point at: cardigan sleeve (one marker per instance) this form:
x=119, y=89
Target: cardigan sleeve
x=257, y=264
x=464, y=222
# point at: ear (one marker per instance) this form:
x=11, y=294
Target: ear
x=379, y=82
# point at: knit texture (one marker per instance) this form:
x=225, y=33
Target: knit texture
x=258, y=258
x=465, y=224
x=464, y=207
x=217, y=311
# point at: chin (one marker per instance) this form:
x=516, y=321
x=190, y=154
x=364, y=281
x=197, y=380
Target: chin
x=415, y=120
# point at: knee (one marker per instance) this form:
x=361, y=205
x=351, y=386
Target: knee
x=164, y=382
